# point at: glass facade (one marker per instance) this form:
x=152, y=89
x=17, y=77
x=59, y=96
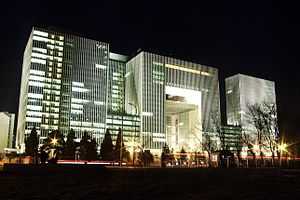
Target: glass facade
x=70, y=82
x=151, y=79
x=117, y=117
x=232, y=136
x=63, y=85
x=243, y=90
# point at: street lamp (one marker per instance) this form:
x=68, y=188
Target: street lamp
x=282, y=148
x=54, y=141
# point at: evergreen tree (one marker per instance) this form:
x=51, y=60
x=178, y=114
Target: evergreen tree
x=31, y=143
x=69, y=148
x=88, y=148
x=92, y=150
x=183, y=155
x=120, y=145
x=84, y=146
x=106, y=151
x=145, y=158
x=165, y=155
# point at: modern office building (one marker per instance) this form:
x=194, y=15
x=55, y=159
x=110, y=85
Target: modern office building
x=243, y=90
x=70, y=82
x=64, y=85
x=174, y=99
x=7, y=123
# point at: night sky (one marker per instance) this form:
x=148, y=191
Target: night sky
x=258, y=38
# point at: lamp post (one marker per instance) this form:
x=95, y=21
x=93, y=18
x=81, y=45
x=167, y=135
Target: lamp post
x=282, y=148
x=53, y=142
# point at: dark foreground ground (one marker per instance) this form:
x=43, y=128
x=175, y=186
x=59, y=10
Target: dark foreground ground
x=151, y=184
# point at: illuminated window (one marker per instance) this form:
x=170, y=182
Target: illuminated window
x=59, y=43
x=77, y=106
x=59, y=48
x=50, y=63
x=56, y=81
x=36, y=78
x=98, y=103
x=50, y=69
x=33, y=113
x=50, y=46
x=36, y=84
x=49, y=74
x=35, y=96
x=39, y=49
x=60, y=54
x=205, y=73
x=98, y=66
x=61, y=37
x=39, y=61
x=74, y=100
x=78, y=84
x=34, y=119
x=183, y=69
x=76, y=111
x=37, y=72
x=59, y=70
x=58, y=59
x=40, y=33
x=36, y=108
x=58, y=75
x=147, y=114
x=78, y=89
x=57, y=87
x=59, y=64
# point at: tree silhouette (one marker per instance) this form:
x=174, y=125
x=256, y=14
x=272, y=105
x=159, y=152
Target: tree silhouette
x=92, y=150
x=166, y=156
x=31, y=144
x=210, y=146
x=183, y=156
x=216, y=123
x=69, y=148
x=106, y=151
x=120, y=146
x=145, y=157
x=88, y=148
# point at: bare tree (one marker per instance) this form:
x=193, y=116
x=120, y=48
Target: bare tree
x=264, y=118
x=216, y=123
x=271, y=135
x=209, y=145
x=238, y=144
x=256, y=117
x=247, y=140
x=206, y=142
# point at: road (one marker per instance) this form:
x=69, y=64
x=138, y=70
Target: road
x=129, y=183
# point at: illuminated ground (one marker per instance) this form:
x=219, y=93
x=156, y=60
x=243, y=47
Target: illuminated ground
x=155, y=184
